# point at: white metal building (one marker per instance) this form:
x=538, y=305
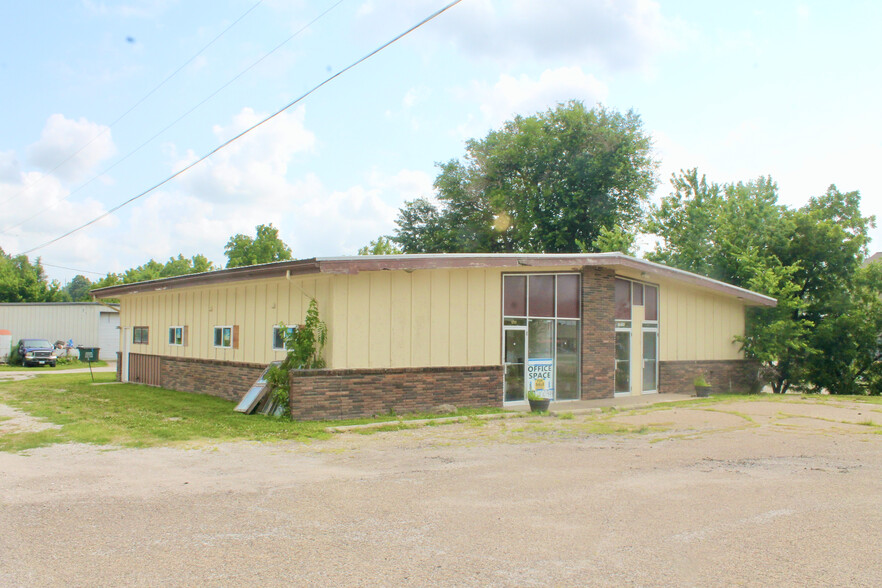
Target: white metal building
x=89, y=324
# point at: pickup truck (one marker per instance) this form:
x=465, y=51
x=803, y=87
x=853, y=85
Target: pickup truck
x=36, y=352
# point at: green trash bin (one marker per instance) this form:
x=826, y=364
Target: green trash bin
x=89, y=353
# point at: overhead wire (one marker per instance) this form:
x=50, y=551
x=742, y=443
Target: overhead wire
x=73, y=269
x=107, y=128
x=248, y=130
x=174, y=122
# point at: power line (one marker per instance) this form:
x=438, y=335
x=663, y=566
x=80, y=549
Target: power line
x=248, y=130
x=174, y=122
x=127, y=112
x=73, y=269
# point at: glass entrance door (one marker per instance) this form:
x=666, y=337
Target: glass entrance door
x=650, y=362
x=514, y=352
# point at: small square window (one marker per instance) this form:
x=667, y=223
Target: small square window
x=278, y=341
x=223, y=337
x=140, y=335
x=176, y=335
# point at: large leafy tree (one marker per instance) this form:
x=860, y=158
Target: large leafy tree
x=380, y=246
x=550, y=182
x=23, y=281
x=78, y=288
x=154, y=270
x=808, y=258
x=265, y=247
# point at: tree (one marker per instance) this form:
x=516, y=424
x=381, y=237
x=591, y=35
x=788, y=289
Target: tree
x=22, y=281
x=613, y=240
x=808, y=259
x=78, y=288
x=542, y=183
x=266, y=247
x=382, y=246
x=154, y=270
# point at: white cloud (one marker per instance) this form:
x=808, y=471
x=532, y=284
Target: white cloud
x=624, y=34
x=71, y=149
x=254, y=167
x=524, y=95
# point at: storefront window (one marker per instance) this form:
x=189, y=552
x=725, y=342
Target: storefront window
x=514, y=296
x=651, y=313
x=623, y=300
x=623, y=362
x=568, y=294
x=541, y=313
x=541, y=296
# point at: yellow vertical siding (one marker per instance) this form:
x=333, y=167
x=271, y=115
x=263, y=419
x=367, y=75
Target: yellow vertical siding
x=698, y=325
x=401, y=329
x=421, y=313
x=380, y=320
x=439, y=317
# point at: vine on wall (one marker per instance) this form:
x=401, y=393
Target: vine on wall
x=305, y=344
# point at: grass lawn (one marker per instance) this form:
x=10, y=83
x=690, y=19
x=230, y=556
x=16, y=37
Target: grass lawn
x=132, y=415
x=66, y=366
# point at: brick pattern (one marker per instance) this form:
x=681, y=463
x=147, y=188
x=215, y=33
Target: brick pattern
x=598, y=333
x=355, y=393
x=726, y=376
x=226, y=379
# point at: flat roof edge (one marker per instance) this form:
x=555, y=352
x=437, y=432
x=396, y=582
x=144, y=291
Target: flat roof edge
x=412, y=262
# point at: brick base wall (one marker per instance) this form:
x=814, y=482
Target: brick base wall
x=226, y=379
x=354, y=393
x=734, y=375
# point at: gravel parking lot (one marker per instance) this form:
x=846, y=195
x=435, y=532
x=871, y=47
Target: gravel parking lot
x=748, y=492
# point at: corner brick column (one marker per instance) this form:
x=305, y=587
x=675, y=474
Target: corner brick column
x=598, y=333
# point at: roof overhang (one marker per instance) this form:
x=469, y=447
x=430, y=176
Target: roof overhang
x=413, y=262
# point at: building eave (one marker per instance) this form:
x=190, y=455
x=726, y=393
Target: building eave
x=414, y=262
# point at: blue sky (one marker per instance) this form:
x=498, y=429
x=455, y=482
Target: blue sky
x=787, y=88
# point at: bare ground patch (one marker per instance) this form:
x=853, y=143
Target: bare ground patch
x=723, y=494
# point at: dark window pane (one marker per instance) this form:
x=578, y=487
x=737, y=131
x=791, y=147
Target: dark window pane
x=568, y=296
x=171, y=336
x=638, y=294
x=651, y=303
x=623, y=363
x=541, y=296
x=218, y=339
x=514, y=296
x=623, y=300
x=567, y=384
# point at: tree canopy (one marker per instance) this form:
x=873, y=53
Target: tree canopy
x=550, y=182
x=154, y=270
x=823, y=333
x=266, y=247
x=23, y=281
x=380, y=246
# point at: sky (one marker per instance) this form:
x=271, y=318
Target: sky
x=101, y=100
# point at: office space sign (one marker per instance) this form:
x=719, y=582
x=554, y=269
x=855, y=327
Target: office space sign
x=540, y=376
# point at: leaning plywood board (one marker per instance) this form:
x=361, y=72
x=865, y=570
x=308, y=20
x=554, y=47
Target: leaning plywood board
x=256, y=393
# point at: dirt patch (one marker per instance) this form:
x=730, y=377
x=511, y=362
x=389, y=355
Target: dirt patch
x=525, y=502
x=13, y=420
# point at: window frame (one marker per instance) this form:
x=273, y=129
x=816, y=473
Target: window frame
x=275, y=330
x=141, y=335
x=517, y=322
x=214, y=336
x=173, y=332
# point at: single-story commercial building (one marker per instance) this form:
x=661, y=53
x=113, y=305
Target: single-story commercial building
x=408, y=332
x=88, y=324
